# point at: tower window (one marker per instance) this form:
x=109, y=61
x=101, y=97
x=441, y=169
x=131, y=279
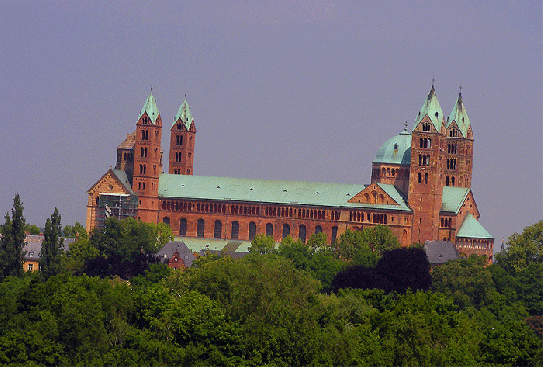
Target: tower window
x=426, y=177
x=144, y=135
x=447, y=181
x=420, y=177
x=178, y=156
x=179, y=139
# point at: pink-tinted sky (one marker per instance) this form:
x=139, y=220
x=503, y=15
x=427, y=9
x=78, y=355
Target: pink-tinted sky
x=278, y=89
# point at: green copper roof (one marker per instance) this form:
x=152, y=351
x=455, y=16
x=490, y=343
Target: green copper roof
x=184, y=114
x=431, y=108
x=395, y=150
x=121, y=175
x=271, y=191
x=471, y=228
x=150, y=107
x=453, y=198
x=460, y=116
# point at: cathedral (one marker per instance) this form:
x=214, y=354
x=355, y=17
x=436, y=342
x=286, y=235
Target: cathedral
x=420, y=188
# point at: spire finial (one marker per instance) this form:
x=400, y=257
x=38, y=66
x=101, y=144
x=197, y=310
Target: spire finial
x=460, y=90
x=405, y=126
x=185, y=95
x=151, y=89
x=433, y=80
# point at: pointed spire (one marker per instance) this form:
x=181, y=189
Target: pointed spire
x=150, y=107
x=184, y=114
x=459, y=115
x=431, y=108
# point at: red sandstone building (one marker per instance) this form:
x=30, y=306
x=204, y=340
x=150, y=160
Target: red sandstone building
x=420, y=188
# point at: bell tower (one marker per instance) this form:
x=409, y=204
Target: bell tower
x=182, y=139
x=148, y=160
x=459, y=147
x=425, y=181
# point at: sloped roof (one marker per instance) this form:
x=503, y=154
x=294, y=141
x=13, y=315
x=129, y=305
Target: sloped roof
x=184, y=114
x=186, y=254
x=396, y=150
x=471, y=228
x=439, y=252
x=431, y=108
x=129, y=142
x=150, y=107
x=215, y=245
x=270, y=191
x=460, y=116
x=123, y=178
x=453, y=198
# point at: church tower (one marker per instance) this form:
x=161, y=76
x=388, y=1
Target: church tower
x=459, y=150
x=148, y=160
x=425, y=181
x=182, y=139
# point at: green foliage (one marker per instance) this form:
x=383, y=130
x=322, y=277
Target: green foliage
x=79, y=252
x=262, y=244
x=367, y=246
x=75, y=231
x=52, y=248
x=12, y=241
x=33, y=229
x=468, y=281
x=523, y=249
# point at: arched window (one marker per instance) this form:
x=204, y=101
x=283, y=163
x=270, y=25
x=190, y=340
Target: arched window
x=179, y=139
x=420, y=178
x=183, y=227
x=318, y=229
x=200, y=228
x=166, y=221
x=252, y=230
x=217, y=232
x=286, y=230
x=234, y=234
x=269, y=229
x=447, y=181
x=426, y=177
x=334, y=234
x=302, y=233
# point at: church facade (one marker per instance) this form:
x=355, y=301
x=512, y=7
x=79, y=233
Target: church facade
x=420, y=188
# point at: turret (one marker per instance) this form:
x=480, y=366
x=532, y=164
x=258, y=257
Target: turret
x=182, y=139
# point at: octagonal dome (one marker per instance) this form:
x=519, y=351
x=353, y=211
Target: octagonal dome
x=396, y=150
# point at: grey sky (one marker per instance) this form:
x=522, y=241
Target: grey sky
x=278, y=90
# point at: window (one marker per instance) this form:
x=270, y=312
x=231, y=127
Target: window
x=318, y=229
x=30, y=267
x=217, y=232
x=144, y=152
x=420, y=177
x=252, y=230
x=178, y=156
x=179, y=139
x=144, y=135
x=183, y=227
x=286, y=230
x=200, y=228
x=302, y=233
x=426, y=127
x=234, y=234
x=426, y=177
x=269, y=229
x=166, y=221
x=447, y=181
x=334, y=234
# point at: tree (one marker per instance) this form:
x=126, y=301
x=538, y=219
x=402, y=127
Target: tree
x=406, y=268
x=262, y=244
x=33, y=229
x=75, y=231
x=52, y=247
x=12, y=242
x=523, y=249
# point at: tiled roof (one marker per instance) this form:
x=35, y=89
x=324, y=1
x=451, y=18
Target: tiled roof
x=439, y=252
x=184, y=114
x=129, y=142
x=471, y=228
x=460, y=116
x=215, y=245
x=121, y=175
x=453, y=198
x=151, y=108
x=431, y=108
x=270, y=191
x=186, y=254
x=33, y=246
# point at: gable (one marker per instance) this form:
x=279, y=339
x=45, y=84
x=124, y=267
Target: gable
x=110, y=183
x=373, y=194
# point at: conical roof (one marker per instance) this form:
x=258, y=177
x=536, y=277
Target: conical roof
x=151, y=108
x=431, y=108
x=460, y=116
x=184, y=114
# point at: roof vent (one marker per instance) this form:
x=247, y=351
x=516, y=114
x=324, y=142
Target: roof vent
x=317, y=192
x=284, y=190
x=218, y=187
x=437, y=114
x=251, y=189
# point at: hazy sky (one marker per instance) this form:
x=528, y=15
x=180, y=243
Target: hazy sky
x=288, y=90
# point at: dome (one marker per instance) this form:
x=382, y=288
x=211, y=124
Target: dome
x=396, y=150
